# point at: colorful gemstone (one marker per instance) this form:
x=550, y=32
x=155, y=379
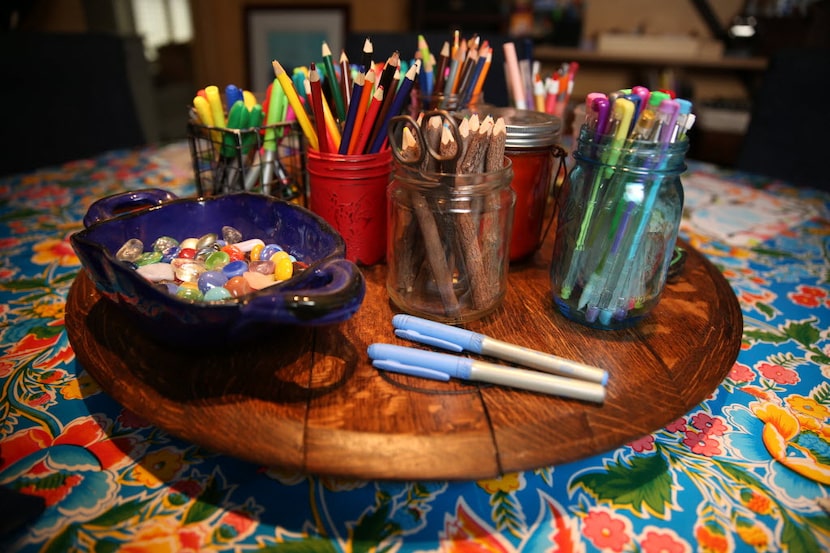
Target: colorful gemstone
x=156, y=272
x=217, y=294
x=147, y=257
x=130, y=251
x=235, y=268
x=238, y=286
x=283, y=266
x=211, y=279
x=217, y=260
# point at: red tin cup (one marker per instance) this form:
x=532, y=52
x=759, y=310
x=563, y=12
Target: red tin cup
x=349, y=192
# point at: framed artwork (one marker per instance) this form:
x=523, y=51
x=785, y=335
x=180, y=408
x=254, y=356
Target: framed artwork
x=293, y=36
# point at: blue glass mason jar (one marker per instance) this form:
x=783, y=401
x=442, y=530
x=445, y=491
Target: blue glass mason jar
x=617, y=227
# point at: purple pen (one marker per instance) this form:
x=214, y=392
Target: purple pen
x=667, y=113
x=602, y=107
x=590, y=114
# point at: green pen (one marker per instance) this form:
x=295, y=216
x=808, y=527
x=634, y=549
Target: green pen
x=231, y=151
x=621, y=112
x=277, y=105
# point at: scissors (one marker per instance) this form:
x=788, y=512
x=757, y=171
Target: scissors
x=396, y=125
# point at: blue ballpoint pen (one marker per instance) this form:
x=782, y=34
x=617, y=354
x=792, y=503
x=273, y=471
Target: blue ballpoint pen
x=458, y=339
x=442, y=366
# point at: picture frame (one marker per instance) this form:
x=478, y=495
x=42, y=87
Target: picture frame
x=292, y=35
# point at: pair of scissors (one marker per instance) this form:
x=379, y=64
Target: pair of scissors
x=395, y=130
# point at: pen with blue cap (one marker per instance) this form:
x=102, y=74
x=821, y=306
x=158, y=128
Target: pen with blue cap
x=443, y=366
x=458, y=339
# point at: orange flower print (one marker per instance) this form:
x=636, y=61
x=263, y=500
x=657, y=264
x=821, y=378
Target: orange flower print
x=753, y=535
x=506, y=484
x=158, y=467
x=808, y=406
x=809, y=296
x=49, y=310
x=55, y=251
x=80, y=387
x=756, y=502
x=711, y=539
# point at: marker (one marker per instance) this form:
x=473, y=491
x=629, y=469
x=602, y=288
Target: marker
x=203, y=110
x=442, y=366
x=457, y=339
x=276, y=105
x=216, y=109
x=233, y=94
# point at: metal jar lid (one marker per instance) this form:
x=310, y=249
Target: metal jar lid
x=526, y=128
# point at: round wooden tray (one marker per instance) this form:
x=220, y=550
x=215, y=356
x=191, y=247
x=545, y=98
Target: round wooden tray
x=309, y=399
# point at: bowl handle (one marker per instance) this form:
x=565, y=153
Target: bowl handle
x=331, y=293
x=132, y=200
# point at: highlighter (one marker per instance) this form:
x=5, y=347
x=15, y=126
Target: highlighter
x=249, y=99
x=215, y=101
x=233, y=94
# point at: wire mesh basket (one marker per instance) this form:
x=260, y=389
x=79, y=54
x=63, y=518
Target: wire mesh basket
x=268, y=159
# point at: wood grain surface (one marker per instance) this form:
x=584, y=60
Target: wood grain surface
x=308, y=399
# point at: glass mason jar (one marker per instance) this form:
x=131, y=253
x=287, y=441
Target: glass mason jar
x=448, y=102
x=447, y=242
x=618, y=221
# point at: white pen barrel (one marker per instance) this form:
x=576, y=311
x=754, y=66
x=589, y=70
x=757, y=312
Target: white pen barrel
x=542, y=361
x=537, y=382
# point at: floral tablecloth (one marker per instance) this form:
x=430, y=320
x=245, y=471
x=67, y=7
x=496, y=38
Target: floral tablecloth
x=747, y=470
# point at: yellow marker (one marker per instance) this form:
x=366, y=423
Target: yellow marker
x=203, y=111
x=294, y=100
x=248, y=99
x=206, y=117
x=215, y=101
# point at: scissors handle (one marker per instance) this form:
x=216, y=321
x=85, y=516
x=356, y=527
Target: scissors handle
x=396, y=123
x=424, y=147
x=449, y=121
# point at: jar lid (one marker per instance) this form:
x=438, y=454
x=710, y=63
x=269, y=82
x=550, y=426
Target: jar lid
x=525, y=128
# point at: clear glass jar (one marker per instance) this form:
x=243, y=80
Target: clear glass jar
x=617, y=226
x=448, y=239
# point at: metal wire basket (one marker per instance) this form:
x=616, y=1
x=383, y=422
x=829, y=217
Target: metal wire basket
x=268, y=159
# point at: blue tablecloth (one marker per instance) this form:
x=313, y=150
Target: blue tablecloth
x=746, y=470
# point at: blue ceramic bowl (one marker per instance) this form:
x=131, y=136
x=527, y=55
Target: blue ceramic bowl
x=329, y=291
